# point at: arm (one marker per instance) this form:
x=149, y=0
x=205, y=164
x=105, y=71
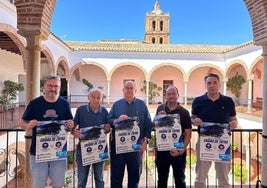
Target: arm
x=195, y=120
x=233, y=122
x=27, y=125
x=187, y=137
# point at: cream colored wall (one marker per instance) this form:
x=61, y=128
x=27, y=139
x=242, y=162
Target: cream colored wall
x=125, y=73
x=92, y=74
x=11, y=66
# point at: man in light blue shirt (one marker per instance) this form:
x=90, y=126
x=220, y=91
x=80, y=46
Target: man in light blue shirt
x=128, y=107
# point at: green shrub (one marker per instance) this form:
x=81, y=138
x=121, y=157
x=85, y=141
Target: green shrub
x=191, y=159
x=71, y=157
x=240, y=173
x=149, y=162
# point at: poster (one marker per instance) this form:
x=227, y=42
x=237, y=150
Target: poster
x=94, y=147
x=215, y=142
x=127, y=136
x=51, y=141
x=168, y=132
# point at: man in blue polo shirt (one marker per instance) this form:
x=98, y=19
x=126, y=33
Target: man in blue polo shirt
x=216, y=108
x=129, y=107
x=90, y=115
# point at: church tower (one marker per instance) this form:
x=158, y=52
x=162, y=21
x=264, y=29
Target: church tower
x=157, y=26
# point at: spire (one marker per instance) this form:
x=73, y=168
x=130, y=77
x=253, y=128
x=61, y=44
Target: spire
x=157, y=8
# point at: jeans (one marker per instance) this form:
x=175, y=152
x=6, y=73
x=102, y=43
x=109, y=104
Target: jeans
x=133, y=161
x=83, y=172
x=163, y=161
x=55, y=170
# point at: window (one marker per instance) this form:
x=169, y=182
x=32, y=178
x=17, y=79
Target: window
x=161, y=25
x=161, y=40
x=166, y=84
x=153, y=25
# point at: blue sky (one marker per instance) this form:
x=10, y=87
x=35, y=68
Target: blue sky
x=191, y=21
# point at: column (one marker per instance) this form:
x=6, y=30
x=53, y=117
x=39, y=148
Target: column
x=185, y=93
x=225, y=80
x=264, y=119
x=147, y=92
x=33, y=54
x=108, y=90
x=250, y=80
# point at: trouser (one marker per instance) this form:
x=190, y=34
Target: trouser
x=83, y=172
x=163, y=162
x=202, y=169
x=133, y=161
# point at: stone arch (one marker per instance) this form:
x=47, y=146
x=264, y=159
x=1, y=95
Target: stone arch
x=49, y=61
x=37, y=18
x=205, y=65
x=259, y=21
x=77, y=65
x=17, y=39
x=255, y=62
x=62, y=61
x=167, y=64
x=128, y=63
x=236, y=63
x=196, y=77
x=238, y=67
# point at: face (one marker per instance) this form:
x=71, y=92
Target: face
x=212, y=85
x=129, y=90
x=172, y=95
x=95, y=99
x=52, y=88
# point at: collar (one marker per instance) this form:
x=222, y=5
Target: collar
x=133, y=101
x=89, y=109
x=207, y=98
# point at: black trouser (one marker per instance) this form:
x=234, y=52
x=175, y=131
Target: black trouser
x=163, y=162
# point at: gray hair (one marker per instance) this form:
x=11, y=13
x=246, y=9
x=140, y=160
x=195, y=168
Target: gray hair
x=129, y=81
x=51, y=77
x=96, y=89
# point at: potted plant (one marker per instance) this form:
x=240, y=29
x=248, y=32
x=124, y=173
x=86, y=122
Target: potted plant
x=9, y=93
x=234, y=84
x=153, y=91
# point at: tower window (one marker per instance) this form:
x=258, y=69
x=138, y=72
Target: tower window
x=153, y=25
x=161, y=25
x=153, y=40
x=161, y=40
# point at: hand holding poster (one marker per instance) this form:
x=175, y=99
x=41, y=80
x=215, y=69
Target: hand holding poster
x=168, y=132
x=51, y=141
x=127, y=136
x=215, y=142
x=94, y=146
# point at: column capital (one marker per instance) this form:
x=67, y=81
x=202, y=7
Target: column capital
x=250, y=77
x=225, y=79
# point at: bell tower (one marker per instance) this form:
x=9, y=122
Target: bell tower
x=157, y=29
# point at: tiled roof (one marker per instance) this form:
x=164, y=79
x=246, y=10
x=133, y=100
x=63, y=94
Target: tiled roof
x=138, y=46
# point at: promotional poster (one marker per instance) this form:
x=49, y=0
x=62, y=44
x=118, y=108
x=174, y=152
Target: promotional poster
x=94, y=145
x=127, y=135
x=168, y=132
x=215, y=142
x=51, y=141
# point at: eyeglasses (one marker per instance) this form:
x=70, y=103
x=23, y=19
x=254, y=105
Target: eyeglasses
x=52, y=86
x=129, y=88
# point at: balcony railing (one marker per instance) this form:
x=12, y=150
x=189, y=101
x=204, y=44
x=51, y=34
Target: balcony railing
x=245, y=172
